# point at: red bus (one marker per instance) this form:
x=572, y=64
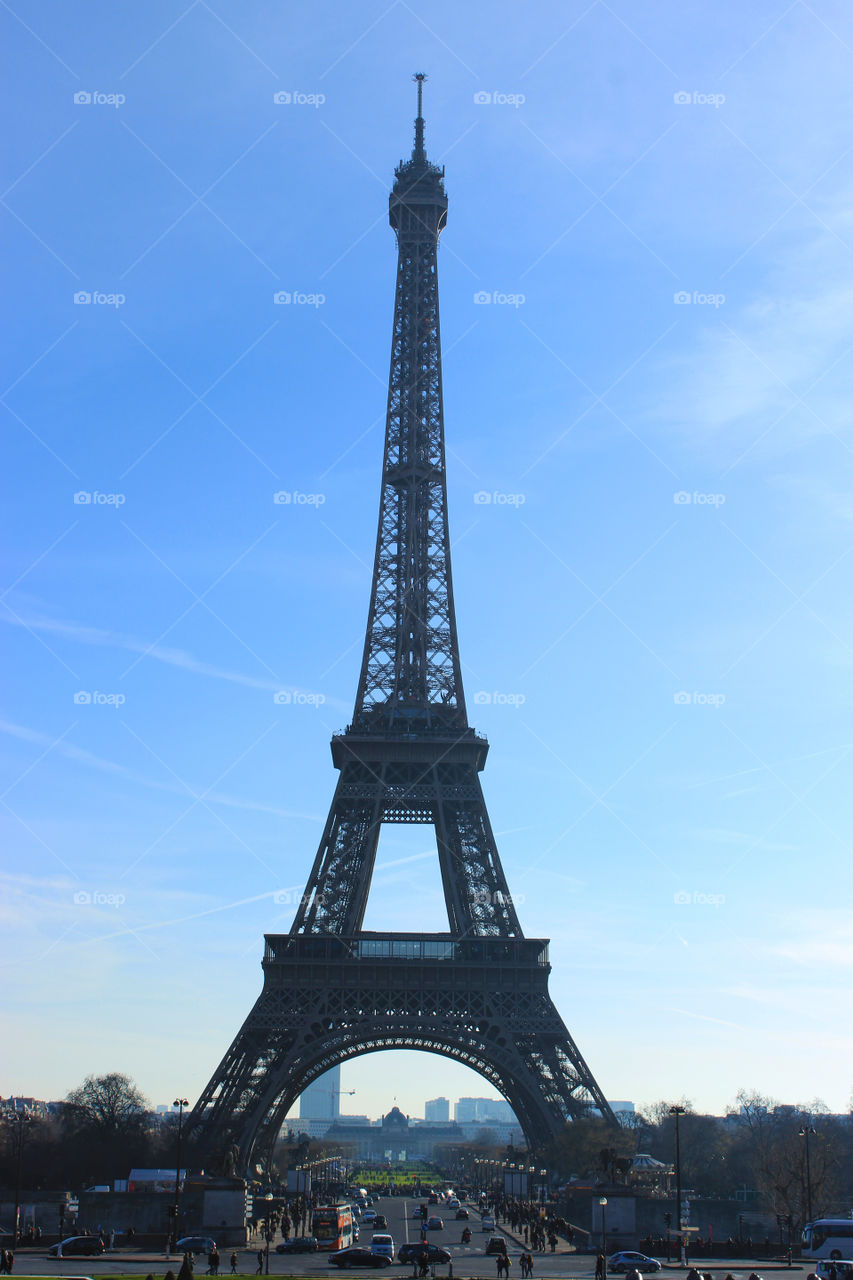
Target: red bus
x=332, y=1226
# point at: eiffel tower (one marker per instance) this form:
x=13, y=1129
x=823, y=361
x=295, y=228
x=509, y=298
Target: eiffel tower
x=478, y=993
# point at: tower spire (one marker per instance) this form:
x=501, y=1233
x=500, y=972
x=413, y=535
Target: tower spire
x=418, y=151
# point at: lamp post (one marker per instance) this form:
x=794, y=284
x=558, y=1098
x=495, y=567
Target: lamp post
x=21, y=1120
x=543, y=1185
x=268, y=1231
x=180, y=1103
x=678, y=1111
x=602, y=1202
x=61, y=1209
x=804, y=1133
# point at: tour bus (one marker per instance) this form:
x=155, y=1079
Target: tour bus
x=828, y=1238
x=333, y=1226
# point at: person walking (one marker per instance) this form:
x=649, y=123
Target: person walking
x=233, y=1264
x=599, y=1267
x=260, y=1270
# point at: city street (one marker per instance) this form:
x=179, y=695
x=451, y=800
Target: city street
x=468, y=1260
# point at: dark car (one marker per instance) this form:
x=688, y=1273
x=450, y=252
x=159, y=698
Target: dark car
x=435, y=1224
x=461, y=1214
x=630, y=1261
x=380, y=1222
x=357, y=1256
x=410, y=1252
x=195, y=1244
x=298, y=1244
x=78, y=1245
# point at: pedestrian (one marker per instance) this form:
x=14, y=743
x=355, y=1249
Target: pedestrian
x=500, y=1265
x=599, y=1267
x=2, y=1262
x=233, y=1264
x=260, y=1270
x=10, y=1261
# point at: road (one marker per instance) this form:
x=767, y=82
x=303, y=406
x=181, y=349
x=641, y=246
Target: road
x=468, y=1260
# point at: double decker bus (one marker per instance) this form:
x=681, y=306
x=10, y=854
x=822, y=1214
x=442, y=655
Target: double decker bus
x=828, y=1238
x=332, y=1226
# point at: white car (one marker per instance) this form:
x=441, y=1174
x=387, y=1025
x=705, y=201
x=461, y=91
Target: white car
x=488, y=1223
x=843, y=1268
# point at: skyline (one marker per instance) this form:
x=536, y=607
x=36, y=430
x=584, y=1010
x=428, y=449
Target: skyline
x=652, y=603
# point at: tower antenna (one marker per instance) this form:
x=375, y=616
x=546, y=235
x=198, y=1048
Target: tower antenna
x=419, y=153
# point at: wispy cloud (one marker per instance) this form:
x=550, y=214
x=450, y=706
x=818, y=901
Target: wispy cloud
x=88, y=760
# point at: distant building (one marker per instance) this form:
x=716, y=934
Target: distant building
x=322, y=1099
x=437, y=1111
x=494, y=1109
x=394, y=1138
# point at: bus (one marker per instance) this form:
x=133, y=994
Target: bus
x=828, y=1238
x=332, y=1226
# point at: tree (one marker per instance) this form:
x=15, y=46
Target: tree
x=107, y=1106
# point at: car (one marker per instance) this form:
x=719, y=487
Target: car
x=843, y=1268
x=488, y=1223
x=358, y=1256
x=368, y=1217
x=77, y=1245
x=195, y=1244
x=298, y=1244
x=435, y=1224
x=627, y=1260
x=496, y=1244
x=384, y=1244
x=433, y=1199
x=380, y=1222
x=462, y=1215
x=436, y=1255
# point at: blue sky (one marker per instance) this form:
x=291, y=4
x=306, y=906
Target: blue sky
x=649, y=482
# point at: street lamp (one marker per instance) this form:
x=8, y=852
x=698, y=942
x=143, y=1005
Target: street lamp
x=180, y=1103
x=21, y=1120
x=268, y=1230
x=678, y=1111
x=603, y=1206
x=804, y=1133
x=543, y=1185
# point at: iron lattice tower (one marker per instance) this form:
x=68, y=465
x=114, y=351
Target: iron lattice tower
x=331, y=991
